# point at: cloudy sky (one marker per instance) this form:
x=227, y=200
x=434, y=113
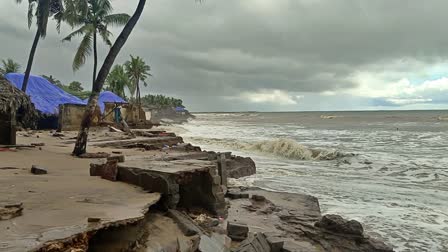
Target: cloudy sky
x=270, y=55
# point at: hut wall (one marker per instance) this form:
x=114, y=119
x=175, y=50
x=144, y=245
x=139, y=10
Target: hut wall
x=7, y=128
x=70, y=117
x=132, y=114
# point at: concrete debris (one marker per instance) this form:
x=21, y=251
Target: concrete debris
x=36, y=170
x=38, y=144
x=10, y=211
x=215, y=243
x=95, y=155
x=258, y=243
x=275, y=243
x=110, y=170
x=234, y=194
x=185, y=223
x=118, y=158
x=237, y=231
x=113, y=129
x=258, y=198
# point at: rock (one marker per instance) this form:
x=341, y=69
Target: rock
x=237, y=231
x=57, y=134
x=275, y=243
x=258, y=198
x=256, y=244
x=38, y=144
x=36, y=170
x=93, y=220
x=337, y=224
x=233, y=194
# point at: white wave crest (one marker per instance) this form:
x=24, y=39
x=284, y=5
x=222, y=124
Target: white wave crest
x=290, y=149
x=282, y=147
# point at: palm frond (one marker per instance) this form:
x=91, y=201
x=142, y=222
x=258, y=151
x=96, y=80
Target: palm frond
x=83, y=30
x=84, y=50
x=116, y=19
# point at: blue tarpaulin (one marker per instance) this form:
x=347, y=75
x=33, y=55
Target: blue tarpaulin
x=108, y=97
x=45, y=96
x=180, y=109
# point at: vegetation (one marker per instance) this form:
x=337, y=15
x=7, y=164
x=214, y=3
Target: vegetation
x=74, y=88
x=117, y=80
x=9, y=66
x=41, y=10
x=81, y=141
x=92, y=17
x=161, y=101
x=138, y=71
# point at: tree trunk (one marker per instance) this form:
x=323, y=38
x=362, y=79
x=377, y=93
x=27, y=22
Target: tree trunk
x=81, y=141
x=95, y=57
x=138, y=91
x=30, y=60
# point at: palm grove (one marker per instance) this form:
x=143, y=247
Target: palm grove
x=90, y=20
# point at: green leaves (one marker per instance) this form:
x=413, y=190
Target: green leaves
x=137, y=70
x=9, y=66
x=92, y=17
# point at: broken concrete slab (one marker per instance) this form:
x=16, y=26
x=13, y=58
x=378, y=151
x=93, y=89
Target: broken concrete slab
x=275, y=243
x=237, y=231
x=236, y=194
x=37, y=170
x=158, y=142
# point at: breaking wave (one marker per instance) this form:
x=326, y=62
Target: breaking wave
x=285, y=148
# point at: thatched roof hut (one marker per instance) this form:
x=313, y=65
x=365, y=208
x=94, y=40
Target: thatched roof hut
x=13, y=99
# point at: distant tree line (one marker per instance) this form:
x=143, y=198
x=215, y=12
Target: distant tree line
x=161, y=101
x=74, y=88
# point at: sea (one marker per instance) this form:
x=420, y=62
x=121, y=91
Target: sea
x=386, y=169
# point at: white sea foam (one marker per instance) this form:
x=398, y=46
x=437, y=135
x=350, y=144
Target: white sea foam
x=285, y=148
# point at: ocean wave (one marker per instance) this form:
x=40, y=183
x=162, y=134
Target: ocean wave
x=285, y=148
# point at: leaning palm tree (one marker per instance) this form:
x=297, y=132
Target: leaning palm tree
x=92, y=17
x=117, y=80
x=138, y=71
x=42, y=10
x=81, y=140
x=9, y=66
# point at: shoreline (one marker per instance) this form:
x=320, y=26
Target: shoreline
x=179, y=174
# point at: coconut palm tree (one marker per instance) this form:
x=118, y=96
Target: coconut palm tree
x=9, y=66
x=117, y=80
x=42, y=10
x=92, y=18
x=81, y=140
x=138, y=71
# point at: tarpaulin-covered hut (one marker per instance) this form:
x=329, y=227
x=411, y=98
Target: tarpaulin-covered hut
x=45, y=96
x=108, y=97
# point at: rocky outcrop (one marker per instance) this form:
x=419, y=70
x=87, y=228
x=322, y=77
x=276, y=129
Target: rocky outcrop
x=295, y=220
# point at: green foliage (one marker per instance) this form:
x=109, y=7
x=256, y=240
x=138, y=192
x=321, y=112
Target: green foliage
x=76, y=86
x=42, y=10
x=138, y=71
x=9, y=66
x=91, y=17
x=53, y=80
x=117, y=80
x=161, y=101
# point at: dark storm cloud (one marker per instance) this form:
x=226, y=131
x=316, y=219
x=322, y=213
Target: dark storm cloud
x=224, y=48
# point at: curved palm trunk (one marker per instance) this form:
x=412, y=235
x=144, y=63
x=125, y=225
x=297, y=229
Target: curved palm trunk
x=30, y=60
x=95, y=57
x=81, y=141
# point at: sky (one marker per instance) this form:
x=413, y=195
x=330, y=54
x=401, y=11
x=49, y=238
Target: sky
x=268, y=55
